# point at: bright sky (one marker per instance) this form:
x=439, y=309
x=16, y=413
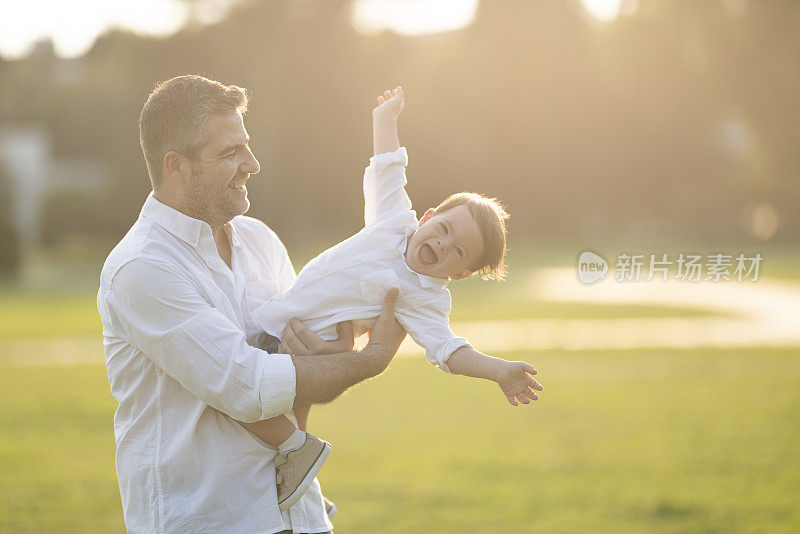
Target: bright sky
x=74, y=25
x=412, y=17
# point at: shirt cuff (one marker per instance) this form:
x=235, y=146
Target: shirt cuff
x=380, y=162
x=446, y=350
x=278, y=382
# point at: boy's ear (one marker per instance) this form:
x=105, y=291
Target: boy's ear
x=427, y=215
x=461, y=275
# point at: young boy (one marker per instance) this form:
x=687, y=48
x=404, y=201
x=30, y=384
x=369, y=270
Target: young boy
x=464, y=235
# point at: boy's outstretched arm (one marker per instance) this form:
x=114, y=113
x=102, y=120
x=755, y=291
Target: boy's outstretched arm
x=514, y=378
x=384, y=121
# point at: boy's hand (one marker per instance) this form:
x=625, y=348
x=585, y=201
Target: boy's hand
x=517, y=382
x=390, y=103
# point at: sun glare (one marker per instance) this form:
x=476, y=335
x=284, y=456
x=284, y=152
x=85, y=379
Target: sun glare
x=412, y=17
x=603, y=10
x=75, y=25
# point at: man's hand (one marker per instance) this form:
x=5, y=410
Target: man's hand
x=299, y=340
x=323, y=378
x=517, y=382
x=390, y=103
x=387, y=334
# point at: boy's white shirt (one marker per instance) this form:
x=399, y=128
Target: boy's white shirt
x=349, y=281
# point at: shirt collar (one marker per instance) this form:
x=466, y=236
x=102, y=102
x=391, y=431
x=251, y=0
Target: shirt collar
x=178, y=224
x=233, y=235
x=424, y=279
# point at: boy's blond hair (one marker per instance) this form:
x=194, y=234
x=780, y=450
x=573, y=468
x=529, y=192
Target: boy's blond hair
x=491, y=217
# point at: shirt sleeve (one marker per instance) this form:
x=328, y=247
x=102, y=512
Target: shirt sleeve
x=384, y=188
x=164, y=315
x=429, y=327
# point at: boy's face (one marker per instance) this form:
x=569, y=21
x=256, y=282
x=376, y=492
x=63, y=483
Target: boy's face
x=446, y=245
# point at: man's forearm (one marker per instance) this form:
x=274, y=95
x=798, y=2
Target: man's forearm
x=469, y=362
x=322, y=378
x=384, y=133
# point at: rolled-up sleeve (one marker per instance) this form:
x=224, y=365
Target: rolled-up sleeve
x=166, y=317
x=429, y=327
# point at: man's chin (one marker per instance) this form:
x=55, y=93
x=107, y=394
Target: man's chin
x=240, y=205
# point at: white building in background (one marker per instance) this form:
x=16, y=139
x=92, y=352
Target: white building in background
x=26, y=157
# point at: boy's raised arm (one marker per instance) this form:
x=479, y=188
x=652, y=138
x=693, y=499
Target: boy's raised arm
x=385, y=177
x=384, y=121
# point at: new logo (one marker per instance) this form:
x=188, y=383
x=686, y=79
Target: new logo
x=591, y=267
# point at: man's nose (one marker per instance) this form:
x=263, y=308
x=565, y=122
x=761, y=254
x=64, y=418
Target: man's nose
x=251, y=164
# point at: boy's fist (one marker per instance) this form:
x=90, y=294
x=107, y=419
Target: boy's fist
x=390, y=103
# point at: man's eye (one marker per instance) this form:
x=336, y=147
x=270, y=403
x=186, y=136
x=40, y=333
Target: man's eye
x=444, y=228
x=229, y=156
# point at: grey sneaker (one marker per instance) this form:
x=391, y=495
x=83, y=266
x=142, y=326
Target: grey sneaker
x=330, y=508
x=295, y=470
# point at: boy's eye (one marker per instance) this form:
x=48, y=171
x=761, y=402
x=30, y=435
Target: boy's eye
x=444, y=228
x=459, y=252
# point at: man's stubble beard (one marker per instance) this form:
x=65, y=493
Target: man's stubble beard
x=206, y=203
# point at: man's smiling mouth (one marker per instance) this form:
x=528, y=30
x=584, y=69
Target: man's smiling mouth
x=240, y=185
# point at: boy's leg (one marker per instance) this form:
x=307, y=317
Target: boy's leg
x=274, y=431
x=301, y=414
x=300, y=455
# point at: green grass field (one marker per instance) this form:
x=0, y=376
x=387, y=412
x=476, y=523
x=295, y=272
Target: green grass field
x=623, y=441
x=640, y=441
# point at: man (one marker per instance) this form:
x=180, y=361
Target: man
x=175, y=300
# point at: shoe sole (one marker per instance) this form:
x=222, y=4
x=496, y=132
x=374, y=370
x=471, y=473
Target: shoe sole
x=303, y=486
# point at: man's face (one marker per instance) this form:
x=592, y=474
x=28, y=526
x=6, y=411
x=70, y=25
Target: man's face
x=446, y=245
x=216, y=191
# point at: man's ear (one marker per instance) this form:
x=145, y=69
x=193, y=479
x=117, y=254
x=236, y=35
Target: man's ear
x=427, y=216
x=461, y=275
x=176, y=168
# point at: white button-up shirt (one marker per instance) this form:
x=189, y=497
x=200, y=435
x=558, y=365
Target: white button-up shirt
x=180, y=351
x=349, y=281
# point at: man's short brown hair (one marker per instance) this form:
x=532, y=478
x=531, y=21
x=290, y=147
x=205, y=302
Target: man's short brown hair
x=175, y=113
x=491, y=217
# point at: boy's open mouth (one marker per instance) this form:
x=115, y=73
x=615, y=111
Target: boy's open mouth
x=426, y=255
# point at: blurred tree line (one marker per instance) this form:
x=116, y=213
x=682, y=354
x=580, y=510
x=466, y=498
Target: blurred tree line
x=667, y=122
x=9, y=243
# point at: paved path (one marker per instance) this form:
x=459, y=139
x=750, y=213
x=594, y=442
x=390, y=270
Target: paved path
x=763, y=313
